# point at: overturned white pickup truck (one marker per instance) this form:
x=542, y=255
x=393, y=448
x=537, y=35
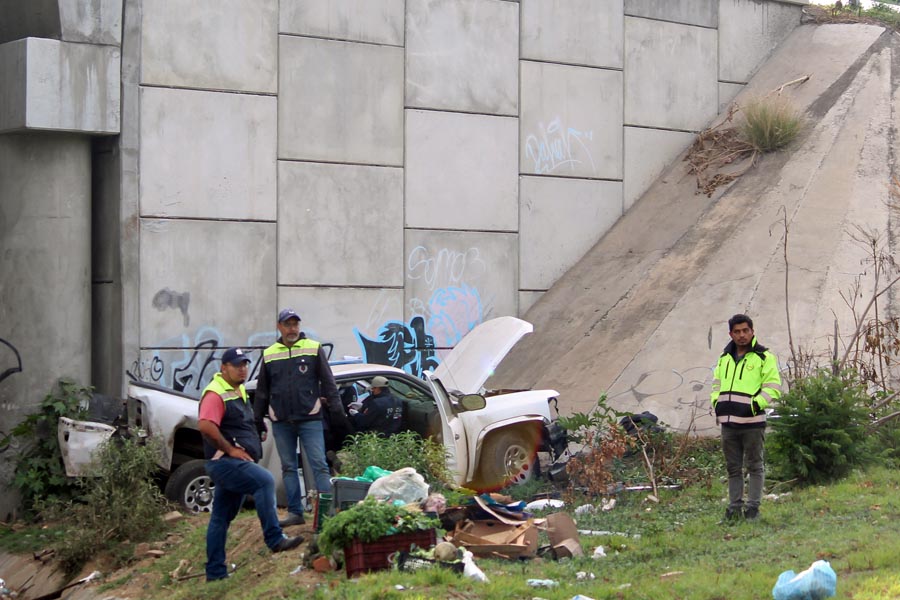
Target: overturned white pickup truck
x=492, y=438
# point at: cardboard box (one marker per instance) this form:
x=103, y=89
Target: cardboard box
x=493, y=538
x=563, y=535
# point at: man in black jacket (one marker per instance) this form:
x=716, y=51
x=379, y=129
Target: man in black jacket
x=380, y=411
x=294, y=389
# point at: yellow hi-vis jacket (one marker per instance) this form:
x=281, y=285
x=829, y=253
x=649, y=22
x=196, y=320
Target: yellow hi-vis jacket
x=743, y=388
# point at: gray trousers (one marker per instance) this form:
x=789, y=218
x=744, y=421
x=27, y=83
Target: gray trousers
x=740, y=446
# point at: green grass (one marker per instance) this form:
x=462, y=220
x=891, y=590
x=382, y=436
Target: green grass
x=770, y=124
x=854, y=524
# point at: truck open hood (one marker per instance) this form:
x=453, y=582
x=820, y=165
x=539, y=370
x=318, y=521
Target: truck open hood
x=475, y=357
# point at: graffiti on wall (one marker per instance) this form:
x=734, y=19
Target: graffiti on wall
x=401, y=345
x=165, y=299
x=686, y=390
x=15, y=364
x=191, y=364
x=556, y=146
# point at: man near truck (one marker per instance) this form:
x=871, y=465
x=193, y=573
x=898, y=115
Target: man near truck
x=232, y=448
x=745, y=382
x=294, y=389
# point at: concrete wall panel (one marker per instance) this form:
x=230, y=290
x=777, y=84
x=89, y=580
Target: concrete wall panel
x=647, y=154
x=727, y=93
x=462, y=55
x=569, y=31
x=94, y=22
x=527, y=300
x=68, y=86
x=670, y=75
x=571, y=122
x=691, y=12
x=455, y=280
x=461, y=171
x=340, y=102
x=561, y=220
x=376, y=21
x=203, y=278
x=340, y=225
x=207, y=154
x=34, y=18
x=335, y=315
x=748, y=32
x=211, y=44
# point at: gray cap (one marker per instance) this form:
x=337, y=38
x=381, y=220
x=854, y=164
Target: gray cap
x=379, y=381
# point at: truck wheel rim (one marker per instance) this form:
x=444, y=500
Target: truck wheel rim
x=198, y=495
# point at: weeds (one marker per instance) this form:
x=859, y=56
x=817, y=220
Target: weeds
x=120, y=502
x=405, y=449
x=40, y=475
x=770, y=124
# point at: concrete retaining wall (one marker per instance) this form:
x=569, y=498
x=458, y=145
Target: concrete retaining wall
x=386, y=167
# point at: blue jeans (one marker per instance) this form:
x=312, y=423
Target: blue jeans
x=312, y=439
x=744, y=446
x=234, y=479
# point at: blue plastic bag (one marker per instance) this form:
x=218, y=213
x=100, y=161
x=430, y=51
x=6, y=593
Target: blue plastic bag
x=815, y=583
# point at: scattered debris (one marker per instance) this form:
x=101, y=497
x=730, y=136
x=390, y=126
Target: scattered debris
x=544, y=504
x=324, y=564
x=471, y=570
x=584, y=576
x=671, y=574
x=817, y=582
x=585, y=509
x=599, y=552
x=542, y=583
x=581, y=597
x=563, y=535
x=183, y=568
x=608, y=504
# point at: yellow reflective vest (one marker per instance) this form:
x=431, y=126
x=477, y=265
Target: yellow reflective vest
x=743, y=388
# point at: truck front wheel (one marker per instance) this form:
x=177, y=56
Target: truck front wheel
x=191, y=487
x=509, y=457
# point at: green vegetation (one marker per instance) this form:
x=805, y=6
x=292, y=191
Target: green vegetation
x=405, y=449
x=40, y=475
x=821, y=430
x=370, y=520
x=854, y=524
x=119, y=503
x=770, y=124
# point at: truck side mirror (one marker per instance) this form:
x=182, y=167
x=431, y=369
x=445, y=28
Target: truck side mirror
x=472, y=402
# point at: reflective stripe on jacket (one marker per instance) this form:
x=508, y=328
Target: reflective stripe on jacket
x=237, y=424
x=742, y=389
x=291, y=381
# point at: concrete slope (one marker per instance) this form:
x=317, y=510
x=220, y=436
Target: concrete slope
x=643, y=315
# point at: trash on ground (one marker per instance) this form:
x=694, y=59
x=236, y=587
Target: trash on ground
x=403, y=484
x=496, y=539
x=815, y=583
x=585, y=509
x=599, y=552
x=581, y=597
x=608, y=504
x=584, y=576
x=636, y=536
x=544, y=504
x=471, y=570
x=563, y=535
x=542, y=583
x=671, y=574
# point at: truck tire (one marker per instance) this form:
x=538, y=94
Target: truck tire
x=509, y=457
x=191, y=487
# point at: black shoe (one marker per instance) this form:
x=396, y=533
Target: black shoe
x=731, y=515
x=292, y=519
x=751, y=514
x=288, y=543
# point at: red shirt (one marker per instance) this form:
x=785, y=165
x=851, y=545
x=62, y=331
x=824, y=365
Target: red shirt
x=212, y=408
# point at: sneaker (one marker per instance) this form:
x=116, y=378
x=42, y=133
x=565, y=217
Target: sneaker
x=288, y=543
x=751, y=514
x=292, y=519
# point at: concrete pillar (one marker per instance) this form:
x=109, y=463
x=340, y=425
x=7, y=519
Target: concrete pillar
x=45, y=253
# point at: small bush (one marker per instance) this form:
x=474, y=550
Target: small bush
x=121, y=502
x=40, y=474
x=770, y=124
x=405, y=449
x=820, y=431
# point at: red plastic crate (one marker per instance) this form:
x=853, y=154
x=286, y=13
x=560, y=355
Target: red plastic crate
x=362, y=557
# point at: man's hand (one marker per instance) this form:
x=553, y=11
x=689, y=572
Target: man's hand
x=239, y=453
x=263, y=431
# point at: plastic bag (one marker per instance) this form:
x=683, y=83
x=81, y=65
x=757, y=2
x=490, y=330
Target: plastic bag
x=404, y=484
x=815, y=583
x=372, y=473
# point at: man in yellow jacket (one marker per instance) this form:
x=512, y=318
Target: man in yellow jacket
x=745, y=382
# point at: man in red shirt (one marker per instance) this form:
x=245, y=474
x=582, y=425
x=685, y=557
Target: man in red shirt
x=232, y=448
